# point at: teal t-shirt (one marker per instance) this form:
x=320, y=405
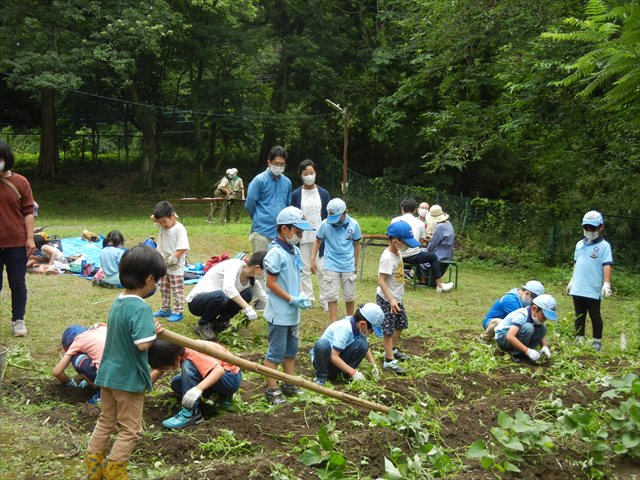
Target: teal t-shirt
x=123, y=366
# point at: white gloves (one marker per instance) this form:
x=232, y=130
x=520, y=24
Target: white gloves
x=250, y=313
x=569, y=285
x=533, y=355
x=172, y=261
x=606, y=289
x=191, y=397
x=375, y=373
x=546, y=351
x=357, y=376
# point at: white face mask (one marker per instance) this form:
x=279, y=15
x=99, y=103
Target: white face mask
x=526, y=300
x=309, y=179
x=276, y=170
x=536, y=321
x=423, y=212
x=590, y=236
x=1, y=166
x=293, y=240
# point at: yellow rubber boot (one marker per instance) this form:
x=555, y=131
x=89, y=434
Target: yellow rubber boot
x=95, y=468
x=115, y=471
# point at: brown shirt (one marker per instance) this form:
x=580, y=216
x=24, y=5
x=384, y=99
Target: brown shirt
x=13, y=211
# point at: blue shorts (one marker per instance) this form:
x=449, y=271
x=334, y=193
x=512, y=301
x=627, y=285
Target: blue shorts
x=84, y=366
x=283, y=342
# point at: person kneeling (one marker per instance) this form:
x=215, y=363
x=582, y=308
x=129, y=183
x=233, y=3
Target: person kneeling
x=201, y=375
x=344, y=344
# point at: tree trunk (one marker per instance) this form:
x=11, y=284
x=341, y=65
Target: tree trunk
x=213, y=139
x=197, y=122
x=48, y=163
x=147, y=121
x=278, y=105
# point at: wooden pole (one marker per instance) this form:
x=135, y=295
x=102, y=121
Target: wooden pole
x=209, y=348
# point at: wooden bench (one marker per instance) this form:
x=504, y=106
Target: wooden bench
x=211, y=201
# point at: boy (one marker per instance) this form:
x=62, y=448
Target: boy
x=390, y=292
x=173, y=244
x=523, y=330
x=591, y=279
x=124, y=370
x=344, y=344
x=282, y=265
x=511, y=301
x=201, y=375
x=341, y=235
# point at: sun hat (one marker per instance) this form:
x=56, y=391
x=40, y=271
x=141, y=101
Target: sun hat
x=593, y=218
x=534, y=287
x=335, y=209
x=293, y=216
x=232, y=171
x=436, y=215
x=69, y=335
x=402, y=231
x=548, y=306
x=374, y=315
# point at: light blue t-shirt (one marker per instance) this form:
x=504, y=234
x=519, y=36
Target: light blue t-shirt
x=266, y=196
x=283, y=261
x=504, y=306
x=110, y=263
x=515, y=319
x=338, y=244
x=341, y=334
x=587, y=273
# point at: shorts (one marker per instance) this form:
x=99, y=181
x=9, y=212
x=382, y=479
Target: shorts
x=331, y=282
x=283, y=342
x=259, y=243
x=392, y=321
x=84, y=366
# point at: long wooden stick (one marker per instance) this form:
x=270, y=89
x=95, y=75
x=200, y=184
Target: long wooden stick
x=209, y=348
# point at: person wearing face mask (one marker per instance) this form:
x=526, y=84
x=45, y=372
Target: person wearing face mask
x=591, y=279
x=312, y=200
x=16, y=235
x=520, y=332
x=231, y=188
x=341, y=235
x=423, y=214
x=514, y=299
x=226, y=289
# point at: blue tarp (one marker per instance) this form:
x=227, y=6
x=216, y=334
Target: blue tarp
x=80, y=246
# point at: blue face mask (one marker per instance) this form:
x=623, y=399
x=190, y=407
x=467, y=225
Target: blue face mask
x=151, y=292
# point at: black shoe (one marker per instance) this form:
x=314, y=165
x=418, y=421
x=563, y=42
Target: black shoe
x=398, y=355
x=206, y=332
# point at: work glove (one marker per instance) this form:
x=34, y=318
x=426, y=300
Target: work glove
x=250, y=313
x=82, y=384
x=606, y=289
x=569, y=285
x=375, y=373
x=546, y=351
x=172, y=261
x=301, y=301
x=191, y=397
x=533, y=355
x=356, y=376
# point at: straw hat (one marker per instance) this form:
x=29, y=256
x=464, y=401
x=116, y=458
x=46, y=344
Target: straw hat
x=436, y=215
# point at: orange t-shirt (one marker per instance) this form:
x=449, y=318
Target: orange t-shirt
x=205, y=363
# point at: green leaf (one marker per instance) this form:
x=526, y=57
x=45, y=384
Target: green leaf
x=630, y=439
x=487, y=462
x=510, y=467
x=477, y=449
x=312, y=456
x=391, y=472
x=325, y=440
x=514, y=444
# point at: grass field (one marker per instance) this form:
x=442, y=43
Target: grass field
x=459, y=401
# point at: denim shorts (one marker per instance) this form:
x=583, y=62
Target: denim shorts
x=283, y=342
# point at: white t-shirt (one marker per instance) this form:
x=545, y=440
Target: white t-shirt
x=311, y=206
x=418, y=229
x=225, y=276
x=170, y=240
x=392, y=265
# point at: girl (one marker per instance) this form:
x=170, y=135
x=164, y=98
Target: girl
x=112, y=251
x=51, y=261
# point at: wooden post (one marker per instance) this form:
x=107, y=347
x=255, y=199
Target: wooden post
x=209, y=348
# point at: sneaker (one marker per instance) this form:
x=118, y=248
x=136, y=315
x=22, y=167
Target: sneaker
x=393, y=366
x=290, y=390
x=312, y=355
x=319, y=381
x=579, y=339
x=175, y=317
x=446, y=287
x=206, y=332
x=18, y=328
x=274, y=396
x=597, y=345
x=398, y=355
x=325, y=306
x=183, y=418
x=162, y=313
x=95, y=400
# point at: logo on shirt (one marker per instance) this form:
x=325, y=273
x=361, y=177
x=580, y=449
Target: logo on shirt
x=595, y=253
x=350, y=234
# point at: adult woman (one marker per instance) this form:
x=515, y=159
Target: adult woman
x=225, y=289
x=312, y=200
x=16, y=235
x=443, y=238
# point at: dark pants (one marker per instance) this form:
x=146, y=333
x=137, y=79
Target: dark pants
x=189, y=377
x=582, y=305
x=425, y=261
x=216, y=308
x=15, y=259
x=530, y=334
x=82, y=364
x=352, y=356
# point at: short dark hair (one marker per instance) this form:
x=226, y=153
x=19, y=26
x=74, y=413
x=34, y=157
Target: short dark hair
x=408, y=205
x=162, y=353
x=257, y=259
x=360, y=318
x=304, y=164
x=114, y=237
x=138, y=263
x=279, y=227
x=39, y=240
x=7, y=155
x=277, y=151
x=163, y=209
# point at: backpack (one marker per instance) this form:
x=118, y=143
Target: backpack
x=150, y=242
x=216, y=259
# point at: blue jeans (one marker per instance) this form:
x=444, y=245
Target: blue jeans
x=189, y=377
x=352, y=356
x=216, y=308
x=15, y=259
x=530, y=334
x=283, y=342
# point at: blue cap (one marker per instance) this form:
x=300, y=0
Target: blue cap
x=534, y=287
x=69, y=335
x=335, y=209
x=402, y=231
x=593, y=218
x=548, y=306
x=293, y=216
x=374, y=315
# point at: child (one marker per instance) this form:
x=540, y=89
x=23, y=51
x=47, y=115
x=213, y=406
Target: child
x=173, y=244
x=390, y=293
x=344, y=344
x=201, y=375
x=51, y=261
x=523, y=330
x=341, y=235
x=112, y=250
x=124, y=371
x=83, y=349
x=512, y=300
x=591, y=279
x=282, y=265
